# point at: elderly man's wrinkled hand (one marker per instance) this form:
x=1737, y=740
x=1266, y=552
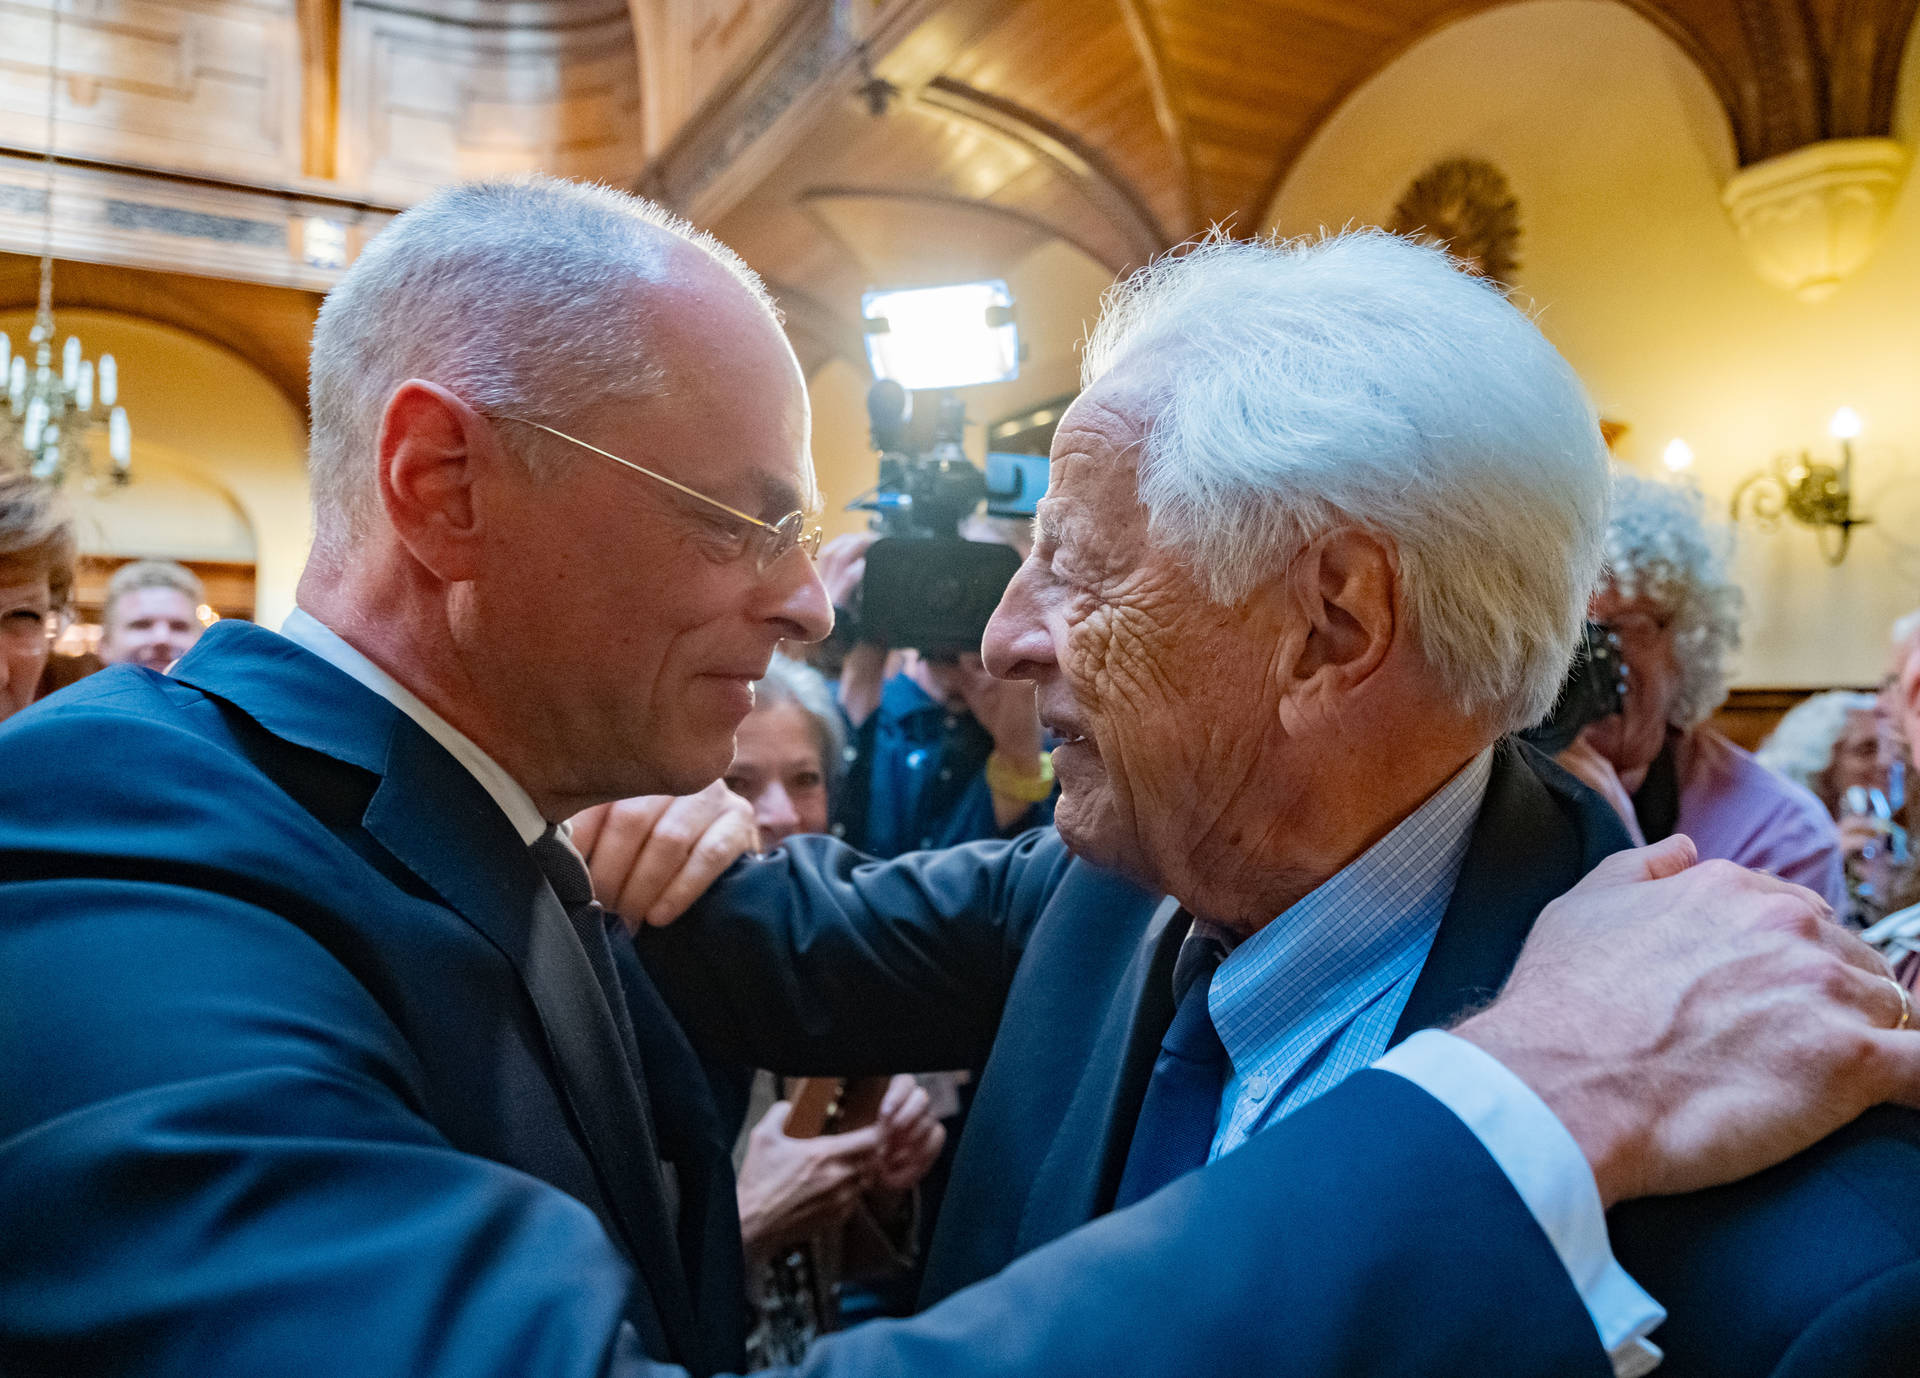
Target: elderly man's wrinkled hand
x=1693, y=1024
x=652, y=857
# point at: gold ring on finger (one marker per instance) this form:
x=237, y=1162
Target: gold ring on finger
x=1906, y=1002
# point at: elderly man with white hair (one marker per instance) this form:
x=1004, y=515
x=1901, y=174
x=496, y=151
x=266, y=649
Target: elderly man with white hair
x=319, y=1058
x=1677, y=614
x=1320, y=533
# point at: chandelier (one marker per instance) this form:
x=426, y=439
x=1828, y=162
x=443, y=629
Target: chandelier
x=55, y=414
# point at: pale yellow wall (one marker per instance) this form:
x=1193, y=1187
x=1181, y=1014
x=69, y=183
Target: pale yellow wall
x=219, y=456
x=1056, y=291
x=1616, y=148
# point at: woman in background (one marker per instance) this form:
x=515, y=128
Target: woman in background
x=36, y=580
x=788, y=755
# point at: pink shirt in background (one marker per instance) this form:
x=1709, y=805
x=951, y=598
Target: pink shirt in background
x=1735, y=808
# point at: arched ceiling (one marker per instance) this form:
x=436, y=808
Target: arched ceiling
x=1125, y=126
x=834, y=142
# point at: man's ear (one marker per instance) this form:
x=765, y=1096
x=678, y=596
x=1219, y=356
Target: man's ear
x=431, y=450
x=1343, y=587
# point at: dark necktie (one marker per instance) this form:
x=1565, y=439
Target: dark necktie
x=1175, y=1130
x=573, y=887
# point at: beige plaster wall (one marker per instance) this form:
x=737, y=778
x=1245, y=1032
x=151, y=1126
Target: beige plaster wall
x=1617, y=150
x=219, y=456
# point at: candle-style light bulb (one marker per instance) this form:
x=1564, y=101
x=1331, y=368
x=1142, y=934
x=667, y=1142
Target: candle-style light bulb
x=70, y=360
x=109, y=381
x=119, y=438
x=1678, y=456
x=35, y=424
x=6, y=354
x=1845, y=425
x=17, y=383
x=83, y=386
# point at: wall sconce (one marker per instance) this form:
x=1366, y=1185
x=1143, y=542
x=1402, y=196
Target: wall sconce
x=1812, y=492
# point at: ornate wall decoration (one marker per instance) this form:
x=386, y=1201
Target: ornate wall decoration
x=1465, y=206
x=1808, y=219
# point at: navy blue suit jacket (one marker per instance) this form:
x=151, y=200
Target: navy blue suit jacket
x=302, y=1072
x=813, y=960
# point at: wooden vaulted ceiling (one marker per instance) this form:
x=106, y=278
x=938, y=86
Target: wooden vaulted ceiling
x=835, y=143
x=1124, y=127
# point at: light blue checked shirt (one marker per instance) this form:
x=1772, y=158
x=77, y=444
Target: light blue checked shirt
x=1314, y=996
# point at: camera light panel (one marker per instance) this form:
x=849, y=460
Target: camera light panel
x=942, y=337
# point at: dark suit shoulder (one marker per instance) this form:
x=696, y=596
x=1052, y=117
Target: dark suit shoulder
x=1795, y=1272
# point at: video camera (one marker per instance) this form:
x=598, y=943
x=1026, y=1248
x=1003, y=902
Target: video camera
x=1595, y=688
x=926, y=586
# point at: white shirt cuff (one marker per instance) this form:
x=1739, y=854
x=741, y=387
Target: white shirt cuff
x=1551, y=1175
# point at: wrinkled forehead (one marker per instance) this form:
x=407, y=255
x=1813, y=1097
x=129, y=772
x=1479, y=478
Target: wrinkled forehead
x=1104, y=432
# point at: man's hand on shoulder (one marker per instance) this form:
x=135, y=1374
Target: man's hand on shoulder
x=1693, y=1024
x=653, y=856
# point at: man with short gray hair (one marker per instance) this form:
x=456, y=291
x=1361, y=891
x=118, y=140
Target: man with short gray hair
x=152, y=615
x=320, y=1058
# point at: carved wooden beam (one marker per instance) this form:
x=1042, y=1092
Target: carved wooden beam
x=896, y=254
x=1167, y=109
x=1793, y=72
x=1088, y=170
x=1863, y=66
x=816, y=61
x=320, y=86
x=145, y=219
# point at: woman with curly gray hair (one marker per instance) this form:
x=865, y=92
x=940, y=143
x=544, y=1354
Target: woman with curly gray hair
x=1667, y=596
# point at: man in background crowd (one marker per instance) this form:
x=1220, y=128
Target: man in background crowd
x=939, y=750
x=1668, y=598
x=36, y=581
x=152, y=617
x=319, y=1059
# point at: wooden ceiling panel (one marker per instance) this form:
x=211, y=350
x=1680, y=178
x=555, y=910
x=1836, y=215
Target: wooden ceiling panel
x=1074, y=62
x=1121, y=126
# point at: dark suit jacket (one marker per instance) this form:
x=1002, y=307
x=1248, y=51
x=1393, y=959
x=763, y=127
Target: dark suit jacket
x=1070, y=985
x=302, y=1072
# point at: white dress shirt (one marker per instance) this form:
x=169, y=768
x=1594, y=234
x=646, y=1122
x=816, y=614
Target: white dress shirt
x=305, y=630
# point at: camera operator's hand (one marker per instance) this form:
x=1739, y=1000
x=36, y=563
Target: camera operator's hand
x=842, y=565
x=652, y=857
x=1690, y=1025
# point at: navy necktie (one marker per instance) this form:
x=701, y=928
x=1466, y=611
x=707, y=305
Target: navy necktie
x=1174, y=1133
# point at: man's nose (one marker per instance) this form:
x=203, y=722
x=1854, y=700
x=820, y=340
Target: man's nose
x=1017, y=644
x=802, y=600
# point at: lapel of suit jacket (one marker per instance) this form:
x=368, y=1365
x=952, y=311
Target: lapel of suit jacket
x=1525, y=852
x=1081, y=1172
x=438, y=822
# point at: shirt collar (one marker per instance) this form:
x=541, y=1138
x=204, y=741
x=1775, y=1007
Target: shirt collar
x=1361, y=922
x=305, y=630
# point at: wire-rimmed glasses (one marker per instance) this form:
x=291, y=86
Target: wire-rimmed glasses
x=767, y=541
